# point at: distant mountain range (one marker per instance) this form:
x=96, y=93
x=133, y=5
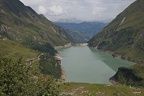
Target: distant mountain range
x=88, y=28
x=77, y=37
x=72, y=20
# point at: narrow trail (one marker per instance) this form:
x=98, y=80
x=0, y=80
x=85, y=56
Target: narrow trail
x=15, y=51
x=74, y=91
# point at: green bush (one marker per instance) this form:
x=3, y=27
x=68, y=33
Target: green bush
x=16, y=80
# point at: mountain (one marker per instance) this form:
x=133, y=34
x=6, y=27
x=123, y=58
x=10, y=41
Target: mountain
x=125, y=37
x=125, y=34
x=77, y=37
x=88, y=28
x=26, y=34
x=22, y=24
x=72, y=20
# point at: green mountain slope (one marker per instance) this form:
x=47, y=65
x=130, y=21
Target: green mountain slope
x=10, y=49
x=26, y=34
x=22, y=24
x=125, y=34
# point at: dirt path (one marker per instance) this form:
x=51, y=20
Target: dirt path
x=74, y=91
x=12, y=52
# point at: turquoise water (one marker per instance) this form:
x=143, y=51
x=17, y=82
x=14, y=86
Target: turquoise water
x=84, y=64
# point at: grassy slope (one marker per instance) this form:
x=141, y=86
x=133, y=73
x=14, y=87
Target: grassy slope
x=10, y=49
x=48, y=66
x=22, y=24
x=125, y=38
x=14, y=50
x=81, y=89
x=138, y=70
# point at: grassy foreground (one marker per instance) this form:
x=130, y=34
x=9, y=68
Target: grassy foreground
x=84, y=89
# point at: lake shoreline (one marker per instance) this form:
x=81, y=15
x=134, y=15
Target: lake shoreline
x=78, y=55
x=59, y=58
x=115, y=55
x=70, y=45
x=63, y=73
x=64, y=46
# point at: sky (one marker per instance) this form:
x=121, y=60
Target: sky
x=85, y=10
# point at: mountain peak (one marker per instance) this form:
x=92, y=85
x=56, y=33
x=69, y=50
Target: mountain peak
x=72, y=20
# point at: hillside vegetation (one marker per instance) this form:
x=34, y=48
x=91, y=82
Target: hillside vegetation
x=83, y=89
x=18, y=79
x=26, y=34
x=27, y=40
x=133, y=76
x=22, y=24
x=125, y=37
x=27, y=62
x=125, y=34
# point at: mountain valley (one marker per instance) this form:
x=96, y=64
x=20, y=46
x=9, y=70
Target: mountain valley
x=30, y=61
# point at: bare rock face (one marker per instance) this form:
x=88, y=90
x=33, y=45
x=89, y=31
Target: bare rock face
x=63, y=74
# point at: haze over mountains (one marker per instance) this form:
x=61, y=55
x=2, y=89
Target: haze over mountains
x=88, y=28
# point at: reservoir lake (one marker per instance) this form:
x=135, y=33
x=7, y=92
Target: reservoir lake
x=88, y=65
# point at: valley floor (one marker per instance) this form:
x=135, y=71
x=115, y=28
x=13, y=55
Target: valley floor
x=84, y=89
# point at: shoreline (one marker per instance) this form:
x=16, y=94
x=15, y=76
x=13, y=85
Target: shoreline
x=63, y=73
x=70, y=44
x=80, y=44
x=115, y=55
x=64, y=46
x=112, y=79
x=59, y=58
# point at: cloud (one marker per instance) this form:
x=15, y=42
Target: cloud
x=86, y=10
x=56, y=10
x=33, y=2
x=42, y=10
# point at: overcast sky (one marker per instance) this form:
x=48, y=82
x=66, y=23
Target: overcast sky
x=86, y=10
